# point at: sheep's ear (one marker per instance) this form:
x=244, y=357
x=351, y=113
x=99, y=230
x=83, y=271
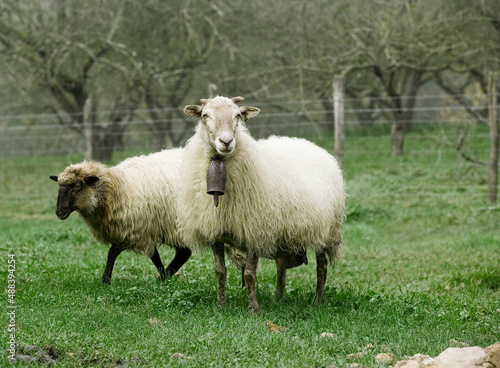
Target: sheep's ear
x=193, y=111
x=53, y=177
x=91, y=180
x=237, y=99
x=249, y=112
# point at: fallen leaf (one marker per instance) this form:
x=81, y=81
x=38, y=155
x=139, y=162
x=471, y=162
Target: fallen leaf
x=154, y=322
x=274, y=328
x=177, y=356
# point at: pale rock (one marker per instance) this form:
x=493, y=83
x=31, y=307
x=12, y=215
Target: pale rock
x=493, y=354
x=460, y=357
x=386, y=358
x=428, y=362
x=420, y=357
x=407, y=364
x=466, y=357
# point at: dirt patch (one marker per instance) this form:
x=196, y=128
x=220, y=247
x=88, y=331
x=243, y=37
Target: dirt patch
x=49, y=355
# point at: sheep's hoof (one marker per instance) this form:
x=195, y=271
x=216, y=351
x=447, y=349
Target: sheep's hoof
x=221, y=305
x=253, y=310
x=279, y=295
x=164, y=273
x=106, y=280
x=317, y=300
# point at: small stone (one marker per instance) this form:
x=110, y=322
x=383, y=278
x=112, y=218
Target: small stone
x=457, y=343
x=369, y=347
x=420, y=357
x=428, y=362
x=407, y=364
x=178, y=356
x=386, y=358
x=356, y=365
x=327, y=335
x=354, y=356
x=154, y=322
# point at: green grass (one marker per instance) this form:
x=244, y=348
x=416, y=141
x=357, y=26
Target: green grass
x=421, y=267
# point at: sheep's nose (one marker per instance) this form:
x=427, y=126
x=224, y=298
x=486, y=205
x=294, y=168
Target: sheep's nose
x=226, y=142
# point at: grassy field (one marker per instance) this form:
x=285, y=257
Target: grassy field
x=420, y=273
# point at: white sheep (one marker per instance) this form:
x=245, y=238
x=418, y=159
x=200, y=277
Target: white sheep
x=282, y=196
x=130, y=206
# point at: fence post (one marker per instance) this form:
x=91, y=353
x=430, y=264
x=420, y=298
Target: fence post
x=338, y=116
x=87, y=129
x=493, y=123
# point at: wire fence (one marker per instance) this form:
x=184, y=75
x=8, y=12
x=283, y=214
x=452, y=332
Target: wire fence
x=450, y=133
x=43, y=135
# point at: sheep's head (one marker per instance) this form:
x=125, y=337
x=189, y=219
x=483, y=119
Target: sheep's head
x=75, y=191
x=220, y=117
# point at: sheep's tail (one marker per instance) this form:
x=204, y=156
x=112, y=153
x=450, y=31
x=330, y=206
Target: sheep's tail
x=333, y=252
x=335, y=246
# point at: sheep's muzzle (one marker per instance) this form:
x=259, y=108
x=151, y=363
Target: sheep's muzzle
x=216, y=179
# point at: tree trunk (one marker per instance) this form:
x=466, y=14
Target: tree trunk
x=493, y=122
x=398, y=132
x=88, y=131
x=338, y=107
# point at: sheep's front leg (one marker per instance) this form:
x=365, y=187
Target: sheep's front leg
x=181, y=257
x=250, y=279
x=321, y=271
x=220, y=273
x=113, y=253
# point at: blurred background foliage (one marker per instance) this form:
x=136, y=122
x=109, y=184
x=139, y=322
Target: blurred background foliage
x=111, y=62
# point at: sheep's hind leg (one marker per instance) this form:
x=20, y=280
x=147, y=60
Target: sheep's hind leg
x=181, y=257
x=220, y=273
x=321, y=271
x=113, y=253
x=155, y=258
x=280, y=277
x=250, y=279
x=287, y=261
x=243, y=276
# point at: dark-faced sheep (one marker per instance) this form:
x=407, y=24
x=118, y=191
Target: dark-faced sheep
x=282, y=195
x=130, y=206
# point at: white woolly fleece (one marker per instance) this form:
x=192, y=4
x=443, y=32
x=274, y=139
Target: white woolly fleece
x=281, y=194
x=133, y=203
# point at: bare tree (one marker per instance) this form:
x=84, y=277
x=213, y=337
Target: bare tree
x=68, y=51
x=181, y=36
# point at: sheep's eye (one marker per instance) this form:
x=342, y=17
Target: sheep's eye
x=204, y=116
x=78, y=185
x=239, y=116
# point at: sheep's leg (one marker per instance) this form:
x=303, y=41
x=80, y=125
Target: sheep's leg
x=181, y=257
x=280, y=277
x=220, y=273
x=287, y=261
x=113, y=252
x=155, y=258
x=243, y=276
x=321, y=271
x=250, y=279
